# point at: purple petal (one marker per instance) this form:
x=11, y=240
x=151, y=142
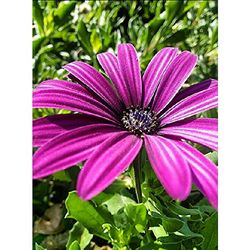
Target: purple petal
x=95, y=81
x=193, y=89
x=192, y=105
x=130, y=70
x=200, y=130
x=110, y=64
x=64, y=95
x=204, y=172
x=106, y=163
x=175, y=75
x=169, y=165
x=46, y=128
x=70, y=148
x=155, y=70
x=61, y=84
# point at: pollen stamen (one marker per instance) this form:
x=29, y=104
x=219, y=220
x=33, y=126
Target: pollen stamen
x=139, y=121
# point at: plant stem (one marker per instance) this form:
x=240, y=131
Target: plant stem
x=137, y=171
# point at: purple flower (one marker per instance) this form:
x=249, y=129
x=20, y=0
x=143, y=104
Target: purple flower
x=112, y=121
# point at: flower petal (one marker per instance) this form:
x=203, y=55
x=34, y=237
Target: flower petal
x=46, y=128
x=169, y=165
x=106, y=163
x=204, y=172
x=90, y=77
x=175, y=75
x=200, y=130
x=192, y=105
x=193, y=89
x=155, y=71
x=70, y=148
x=61, y=84
x=110, y=64
x=130, y=70
x=63, y=95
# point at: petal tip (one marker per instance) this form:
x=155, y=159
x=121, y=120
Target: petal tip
x=126, y=45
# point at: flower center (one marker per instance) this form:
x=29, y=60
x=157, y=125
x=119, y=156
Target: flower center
x=139, y=121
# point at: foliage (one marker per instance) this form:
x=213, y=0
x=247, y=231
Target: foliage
x=64, y=31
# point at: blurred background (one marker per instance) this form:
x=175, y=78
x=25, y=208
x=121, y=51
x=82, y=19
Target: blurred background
x=65, y=31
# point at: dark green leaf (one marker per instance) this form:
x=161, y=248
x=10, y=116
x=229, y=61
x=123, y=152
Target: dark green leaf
x=178, y=36
x=172, y=8
x=191, y=214
x=36, y=44
x=63, y=11
x=157, y=246
x=84, y=37
x=119, y=185
x=214, y=38
x=172, y=225
x=188, y=235
x=210, y=233
x=169, y=224
x=185, y=235
x=62, y=176
x=38, y=16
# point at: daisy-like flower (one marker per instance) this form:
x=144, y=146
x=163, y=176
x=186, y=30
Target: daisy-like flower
x=113, y=120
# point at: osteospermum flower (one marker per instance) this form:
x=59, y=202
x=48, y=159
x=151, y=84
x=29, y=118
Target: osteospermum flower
x=113, y=120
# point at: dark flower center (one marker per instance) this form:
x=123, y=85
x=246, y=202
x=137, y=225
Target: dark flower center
x=139, y=121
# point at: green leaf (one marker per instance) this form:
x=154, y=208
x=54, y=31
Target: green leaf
x=101, y=198
x=203, y=4
x=84, y=37
x=119, y=185
x=62, y=176
x=38, y=247
x=155, y=24
x=191, y=214
x=121, y=219
x=75, y=246
x=85, y=213
x=169, y=224
x=173, y=10
x=213, y=156
x=116, y=202
x=188, y=235
x=210, y=233
x=38, y=16
x=214, y=36
x=137, y=214
x=185, y=236
x=159, y=231
x=178, y=36
x=172, y=224
x=95, y=41
x=155, y=246
x=176, y=241
x=80, y=234
x=63, y=12
x=36, y=44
